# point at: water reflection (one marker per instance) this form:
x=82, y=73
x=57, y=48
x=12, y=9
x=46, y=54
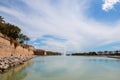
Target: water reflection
x=17, y=73
x=67, y=68
x=105, y=60
x=75, y=68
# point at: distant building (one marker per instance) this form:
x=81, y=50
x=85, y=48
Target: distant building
x=100, y=52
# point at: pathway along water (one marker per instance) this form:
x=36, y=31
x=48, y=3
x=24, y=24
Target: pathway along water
x=66, y=68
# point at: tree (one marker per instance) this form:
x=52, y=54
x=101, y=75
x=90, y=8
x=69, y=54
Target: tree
x=13, y=32
x=1, y=23
x=10, y=30
x=116, y=52
x=92, y=53
x=22, y=38
x=2, y=19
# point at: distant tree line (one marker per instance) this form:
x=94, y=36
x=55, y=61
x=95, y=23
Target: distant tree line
x=83, y=54
x=13, y=32
x=53, y=53
x=99, y=53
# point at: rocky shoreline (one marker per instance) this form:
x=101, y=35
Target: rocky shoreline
x=10, y=62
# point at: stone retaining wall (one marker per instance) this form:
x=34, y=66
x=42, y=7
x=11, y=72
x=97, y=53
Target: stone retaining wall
x=7, y=50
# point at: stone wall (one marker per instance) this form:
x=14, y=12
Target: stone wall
x=7, y=50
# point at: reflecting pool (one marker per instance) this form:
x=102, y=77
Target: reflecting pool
x=66, y=68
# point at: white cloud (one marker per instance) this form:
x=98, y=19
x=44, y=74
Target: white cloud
x=109, y=4
x=66, y=20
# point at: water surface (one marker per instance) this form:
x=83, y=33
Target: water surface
x=66, y=68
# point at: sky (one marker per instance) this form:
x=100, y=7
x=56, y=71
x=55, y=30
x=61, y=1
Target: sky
x=66, y=25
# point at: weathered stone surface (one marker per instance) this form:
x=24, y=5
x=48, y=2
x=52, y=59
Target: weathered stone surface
x=7, y=50
x=8, y=62
x=11, y=56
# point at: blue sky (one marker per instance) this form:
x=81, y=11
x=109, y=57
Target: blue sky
x=96, y=12
x=66, y=25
